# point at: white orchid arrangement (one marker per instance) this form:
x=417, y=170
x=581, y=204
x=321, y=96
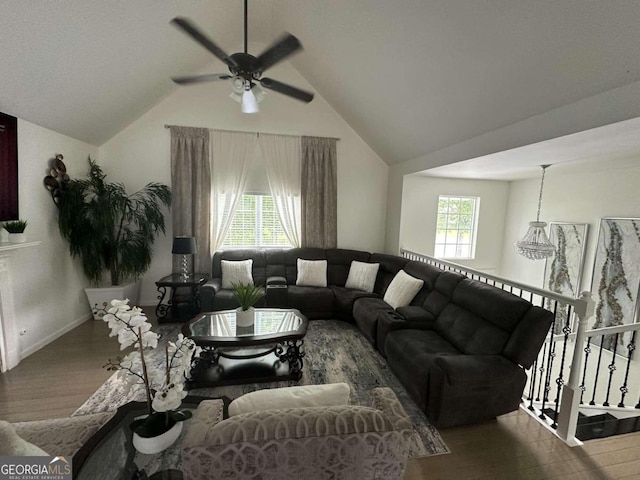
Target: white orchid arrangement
x=164, y=387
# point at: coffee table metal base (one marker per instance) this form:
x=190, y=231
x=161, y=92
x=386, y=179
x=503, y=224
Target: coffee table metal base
x=217, y=366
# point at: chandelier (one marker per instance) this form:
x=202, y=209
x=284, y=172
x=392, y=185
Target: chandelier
x=535, y=245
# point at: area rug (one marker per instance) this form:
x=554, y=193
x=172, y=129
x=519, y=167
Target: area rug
x=335, y=352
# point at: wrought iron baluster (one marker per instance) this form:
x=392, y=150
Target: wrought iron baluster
x=612, y=368
x=541, y=369
x=624, y=389
x=595, y=382
x=532, y=384
x=552, y=354
x=560, y=380
x=587, y=351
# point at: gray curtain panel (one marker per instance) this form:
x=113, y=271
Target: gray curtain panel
x=319, y=192
x=191, y=185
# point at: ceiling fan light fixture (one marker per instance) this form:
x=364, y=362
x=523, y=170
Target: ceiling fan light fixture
x=258, y=92
x=249, y=103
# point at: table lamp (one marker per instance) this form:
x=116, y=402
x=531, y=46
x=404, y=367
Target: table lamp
x=184, y=246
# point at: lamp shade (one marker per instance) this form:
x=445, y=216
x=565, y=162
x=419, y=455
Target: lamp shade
x=184, y=245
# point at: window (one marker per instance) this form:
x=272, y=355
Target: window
x=256, y=224
x=456, y=226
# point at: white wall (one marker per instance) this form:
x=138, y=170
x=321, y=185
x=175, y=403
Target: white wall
x=584, y=196
x=419, y=211
x=140, y=154
x=48, y=284
x=605, y=108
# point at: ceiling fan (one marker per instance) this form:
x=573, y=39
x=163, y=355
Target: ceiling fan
x=245, y=69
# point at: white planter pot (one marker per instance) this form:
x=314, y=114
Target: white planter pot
x=157, y=444
x=245, y=318
x=100, y=297
x=17, y=238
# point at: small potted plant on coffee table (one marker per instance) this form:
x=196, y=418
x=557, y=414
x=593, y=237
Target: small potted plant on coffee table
x=16, y=230
x=247, y=296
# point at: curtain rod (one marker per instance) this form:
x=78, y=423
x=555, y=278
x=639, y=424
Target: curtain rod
x=257, y=133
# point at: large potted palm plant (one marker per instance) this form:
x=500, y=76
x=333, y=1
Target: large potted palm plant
x=110, y=231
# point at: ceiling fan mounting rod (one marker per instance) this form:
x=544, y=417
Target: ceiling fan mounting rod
x=246, y=26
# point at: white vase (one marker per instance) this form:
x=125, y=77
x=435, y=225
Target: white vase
x=159, y=443
x=100, y=297
x=245, y=318
x=17, y=238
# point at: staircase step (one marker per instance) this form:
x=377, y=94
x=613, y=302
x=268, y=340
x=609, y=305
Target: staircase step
x=601, y=425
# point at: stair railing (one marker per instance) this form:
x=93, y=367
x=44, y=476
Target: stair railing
x=568, y=329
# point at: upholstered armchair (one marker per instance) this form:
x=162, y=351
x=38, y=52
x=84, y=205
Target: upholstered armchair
x=332, y=442
x=58, y=436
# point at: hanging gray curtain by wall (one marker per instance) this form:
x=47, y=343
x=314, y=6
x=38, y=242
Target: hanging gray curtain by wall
x=191, y=185
x=319, y=191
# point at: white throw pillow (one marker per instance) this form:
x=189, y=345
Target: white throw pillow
x=328, y=395
x=236, y=272
x=362, y=276
x=312, y=273
x=12, y=445
x=402, y=289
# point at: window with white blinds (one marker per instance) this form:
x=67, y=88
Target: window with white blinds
x=256, y=224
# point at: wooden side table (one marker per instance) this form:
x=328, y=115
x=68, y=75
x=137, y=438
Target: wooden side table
x=178, y=298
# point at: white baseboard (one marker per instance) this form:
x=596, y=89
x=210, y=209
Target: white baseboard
x=55, y=335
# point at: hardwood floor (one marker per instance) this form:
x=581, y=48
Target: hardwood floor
x=57, y=379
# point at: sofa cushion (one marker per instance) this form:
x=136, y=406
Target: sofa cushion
x=312, y=273
x=470, y=333
x=344, y=298
x=291, y=257
x=258, y=269
x=339, y=260
x=326, y=395
x=411, y=355
x=500, y=307
x=362, y=276
x=425, y=272
x=441, y=296
x=365, y=314
x=313, y=302
x=389, y=266
x=414, y=313
x=402, y=289
x=236, y=272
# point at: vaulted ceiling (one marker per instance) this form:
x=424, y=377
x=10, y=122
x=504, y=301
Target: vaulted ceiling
x=410, y=76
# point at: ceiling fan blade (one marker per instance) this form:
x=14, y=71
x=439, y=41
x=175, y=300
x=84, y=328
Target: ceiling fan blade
x=277, y=52
x=190, y=29
x=285, y=89
x=201, y=78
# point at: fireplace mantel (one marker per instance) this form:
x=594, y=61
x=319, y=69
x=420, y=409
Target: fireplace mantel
x=8, y=247
x=9, y=344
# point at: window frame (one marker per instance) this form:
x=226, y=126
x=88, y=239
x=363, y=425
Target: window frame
x=259, y=227
x=473, y=230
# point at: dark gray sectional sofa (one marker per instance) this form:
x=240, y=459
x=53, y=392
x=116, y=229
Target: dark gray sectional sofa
x=460, y=348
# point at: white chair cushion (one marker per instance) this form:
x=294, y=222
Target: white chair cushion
x=12, y=445
x=236, y=272
x=329, y=395
x=402, y=289
x=362, y=276
x=312, y=273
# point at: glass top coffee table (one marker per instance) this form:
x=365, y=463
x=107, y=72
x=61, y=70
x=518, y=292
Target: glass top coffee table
x=268, y=351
